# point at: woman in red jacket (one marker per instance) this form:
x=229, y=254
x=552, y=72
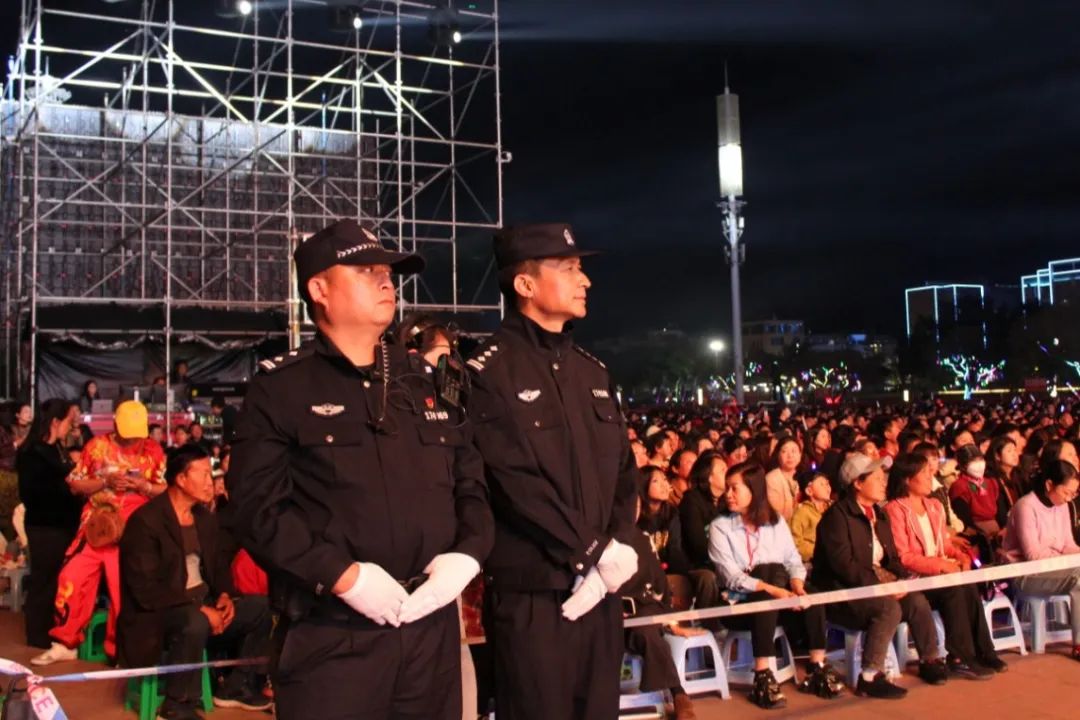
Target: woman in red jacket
x=922, y=542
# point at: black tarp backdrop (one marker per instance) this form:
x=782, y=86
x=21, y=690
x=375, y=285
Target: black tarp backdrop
x=123, y=346
x=63, y=367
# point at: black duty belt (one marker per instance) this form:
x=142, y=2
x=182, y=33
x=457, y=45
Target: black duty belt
x=412, y=583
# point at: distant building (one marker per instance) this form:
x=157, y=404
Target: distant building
x=772, y=337
x=954, y=311
x=1056, y=284
x=866, y=345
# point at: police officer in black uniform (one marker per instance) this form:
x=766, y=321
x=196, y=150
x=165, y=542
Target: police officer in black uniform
x=357, y=487
x=563, y=489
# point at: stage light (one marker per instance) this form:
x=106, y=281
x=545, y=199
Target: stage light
x=357, y=22
x=456, y=37
x=245, y=7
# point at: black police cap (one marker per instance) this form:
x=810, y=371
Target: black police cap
x=536, y=242
x=346, y=242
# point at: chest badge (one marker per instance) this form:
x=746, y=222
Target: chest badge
x=601, y=394
x=327, y=409
x=528, y=395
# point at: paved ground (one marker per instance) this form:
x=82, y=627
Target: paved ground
x=1036, y=687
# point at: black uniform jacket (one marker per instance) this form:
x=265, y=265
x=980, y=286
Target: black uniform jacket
x=844, y=552
x=558, y=462
x=153, y=573
x=318, y=481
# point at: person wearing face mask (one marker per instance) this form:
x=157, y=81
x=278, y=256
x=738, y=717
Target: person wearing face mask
x=974, y=496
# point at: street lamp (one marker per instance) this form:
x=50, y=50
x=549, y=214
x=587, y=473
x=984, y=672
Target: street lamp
x=729, y=156
x=717, y=347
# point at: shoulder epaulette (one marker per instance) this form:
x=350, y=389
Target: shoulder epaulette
x=281, y=361
x=483, y=356
x=589, y=356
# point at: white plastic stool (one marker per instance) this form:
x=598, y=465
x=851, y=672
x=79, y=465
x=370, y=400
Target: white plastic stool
x=705, y=680
x=632, y=683
x=1036, y=609
x=1010, y=635
x=906, y=651
x=13, y=598
x=740, y=669
x=849, y=658
x=648, y=705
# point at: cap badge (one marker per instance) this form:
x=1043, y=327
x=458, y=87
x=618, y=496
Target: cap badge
x=569, y=238
x=369, y=235
x=528, y=395
x=327, y=409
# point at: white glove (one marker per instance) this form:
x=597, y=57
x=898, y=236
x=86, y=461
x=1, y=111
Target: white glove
x=448, y=574
x=617, y=565
x=587, y=594
x=376, y=595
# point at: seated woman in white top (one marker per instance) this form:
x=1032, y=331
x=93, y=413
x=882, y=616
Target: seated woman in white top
x=756, y=559
x=1039, y=528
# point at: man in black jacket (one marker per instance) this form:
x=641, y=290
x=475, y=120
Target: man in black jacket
x=354, y=483
x=563, y=485
x=855, y=548
x=178, y=595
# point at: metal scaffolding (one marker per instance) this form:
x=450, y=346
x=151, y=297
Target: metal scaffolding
x=157, y=154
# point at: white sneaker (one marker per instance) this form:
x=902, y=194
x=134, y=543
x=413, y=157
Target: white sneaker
x=57, y=653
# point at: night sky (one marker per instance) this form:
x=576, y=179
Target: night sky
x=885, y=144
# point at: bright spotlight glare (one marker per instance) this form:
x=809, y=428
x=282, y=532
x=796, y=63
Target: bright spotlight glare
x=245, y=7
x=456, y=37
x=716, y=345
x=357, y=22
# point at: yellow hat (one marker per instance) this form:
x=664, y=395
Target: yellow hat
x=131, y=420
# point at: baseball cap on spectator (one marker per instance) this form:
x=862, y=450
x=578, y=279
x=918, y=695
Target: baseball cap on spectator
x=131, y=421
x=651, y=430
x=856, y=465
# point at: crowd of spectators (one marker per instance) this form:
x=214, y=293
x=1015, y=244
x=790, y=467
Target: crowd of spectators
x=782, y=501
x=772, y=502
x=117, y=507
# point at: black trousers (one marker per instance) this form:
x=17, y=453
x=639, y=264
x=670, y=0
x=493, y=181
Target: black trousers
x=706, y=588
x=327, y=670
x=48, y=545
x=548, y=667
x=966, y=633
x=762, y=625
x=657, y=664
x=187, y=634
